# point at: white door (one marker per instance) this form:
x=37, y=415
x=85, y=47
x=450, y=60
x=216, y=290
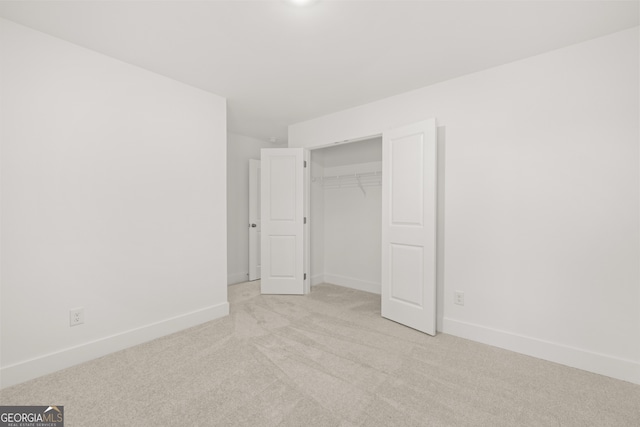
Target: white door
x=409, y=226
x=283, y=221
x=254, y=219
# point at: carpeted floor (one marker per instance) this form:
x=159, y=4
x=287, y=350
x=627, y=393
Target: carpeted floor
x=327, y=359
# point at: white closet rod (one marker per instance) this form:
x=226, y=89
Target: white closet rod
x=355, y=180
x=352, y=176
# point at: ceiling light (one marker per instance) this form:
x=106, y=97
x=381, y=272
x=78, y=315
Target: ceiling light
x=302, y=2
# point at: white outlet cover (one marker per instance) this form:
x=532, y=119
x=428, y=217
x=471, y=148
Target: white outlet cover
x=76, y=316
x=458, y=298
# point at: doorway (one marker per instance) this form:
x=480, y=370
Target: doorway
x=408, y=223
x=345, y=213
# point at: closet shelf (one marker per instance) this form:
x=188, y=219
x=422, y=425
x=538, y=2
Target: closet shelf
x=355, y=180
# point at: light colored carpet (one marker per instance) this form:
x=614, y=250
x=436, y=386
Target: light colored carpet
x=327, y=359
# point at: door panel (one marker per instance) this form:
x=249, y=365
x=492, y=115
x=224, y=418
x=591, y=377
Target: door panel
x=409, y=226
x=282, y=265
x=407, y=190
x=406, y=266
x=282, y=195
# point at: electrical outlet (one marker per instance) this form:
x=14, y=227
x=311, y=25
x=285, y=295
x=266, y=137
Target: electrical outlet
x=76, y=316
x=458, y=298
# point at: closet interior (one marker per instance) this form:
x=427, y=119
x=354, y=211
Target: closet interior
x=346, y=208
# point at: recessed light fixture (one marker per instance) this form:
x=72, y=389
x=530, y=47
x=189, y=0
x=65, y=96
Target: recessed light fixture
x=302, y=2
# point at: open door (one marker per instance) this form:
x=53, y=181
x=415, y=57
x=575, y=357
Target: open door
x=255, y=226
x=409, y=225
x=283, y=221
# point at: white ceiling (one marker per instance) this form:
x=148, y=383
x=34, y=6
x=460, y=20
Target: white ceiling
x=278, y=64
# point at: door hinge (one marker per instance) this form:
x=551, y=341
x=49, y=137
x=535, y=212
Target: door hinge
x=305, y=276
x=305, y=163
x=305, y=220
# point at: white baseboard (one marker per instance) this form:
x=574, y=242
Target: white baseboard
x=52, y=362
x=237, y=278
x=349, y=282
x=316, y=280
x=622, y=369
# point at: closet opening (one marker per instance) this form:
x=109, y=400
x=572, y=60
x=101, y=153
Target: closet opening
x=378, y=238
x=346, y=215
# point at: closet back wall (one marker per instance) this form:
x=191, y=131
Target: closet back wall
x=346, y=243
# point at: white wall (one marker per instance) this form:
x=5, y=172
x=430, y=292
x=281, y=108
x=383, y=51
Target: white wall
x=352, y=228
x=240, y=149
x=541, y=190
x=113, y=199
